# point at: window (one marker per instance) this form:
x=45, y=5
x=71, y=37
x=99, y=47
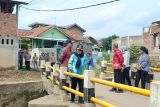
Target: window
x=10, y=8
x=2, y=41
x=11, y=41
x=7, y=41
x=3, y=6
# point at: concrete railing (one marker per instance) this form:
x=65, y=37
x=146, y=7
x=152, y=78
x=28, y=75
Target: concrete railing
x=89, y=86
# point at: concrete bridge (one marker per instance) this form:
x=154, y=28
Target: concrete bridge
x=126, y=99
x=59, y=98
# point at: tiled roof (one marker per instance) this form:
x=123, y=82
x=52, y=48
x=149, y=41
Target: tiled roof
x=86, y=39
x=72, y=25
x=13, y=1
x=38, y=24
x=24, y=33
x=8, y=24
x=72, y=35
x=39, y=30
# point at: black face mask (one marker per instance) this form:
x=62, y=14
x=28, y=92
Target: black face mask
x=79, y=56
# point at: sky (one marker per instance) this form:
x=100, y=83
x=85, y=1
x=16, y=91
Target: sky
x=123, y=18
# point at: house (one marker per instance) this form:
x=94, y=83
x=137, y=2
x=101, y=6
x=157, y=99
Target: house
x=50, y=36
x=9, y=39
x=151, y=39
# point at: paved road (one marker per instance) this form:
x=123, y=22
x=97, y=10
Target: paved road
x=126, y=99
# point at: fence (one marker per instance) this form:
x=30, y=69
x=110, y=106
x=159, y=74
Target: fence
x=59, y=80
x=156, y=71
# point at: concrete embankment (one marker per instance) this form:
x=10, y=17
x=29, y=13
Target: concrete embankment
x=18, y=94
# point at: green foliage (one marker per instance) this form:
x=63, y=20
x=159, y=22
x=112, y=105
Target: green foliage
x=106, y=57
x=134, y=54
x=24, y=46
x=107, y=42
x=25, y=43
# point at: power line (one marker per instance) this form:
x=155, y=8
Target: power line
x=30, y=1
x=73, y=8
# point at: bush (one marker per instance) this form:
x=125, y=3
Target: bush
x=106, y=57
x=134, y=54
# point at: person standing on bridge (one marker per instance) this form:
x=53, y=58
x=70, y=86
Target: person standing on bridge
x=143, y=67
x=117, y=66
x=126, y=67
x=77, y=64
x=66, y=54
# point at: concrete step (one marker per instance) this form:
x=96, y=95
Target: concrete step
x=52, y=101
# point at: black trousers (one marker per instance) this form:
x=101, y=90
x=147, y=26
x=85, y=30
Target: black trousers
x=27, y=65
x=118, y=76
x=125, y=76
x=74, y=82
x=141, y=75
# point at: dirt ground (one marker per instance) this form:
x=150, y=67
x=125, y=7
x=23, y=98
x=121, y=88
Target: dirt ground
x=12, y=75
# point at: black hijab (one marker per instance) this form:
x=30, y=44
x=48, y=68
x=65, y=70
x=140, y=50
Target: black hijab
x=79, y=56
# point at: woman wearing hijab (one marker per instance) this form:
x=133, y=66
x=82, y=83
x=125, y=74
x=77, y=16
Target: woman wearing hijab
x=126, y=67
x=77, y=64
x=143, y=67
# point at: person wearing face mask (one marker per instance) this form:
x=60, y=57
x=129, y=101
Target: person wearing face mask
x=77, y=64
x=142, y=67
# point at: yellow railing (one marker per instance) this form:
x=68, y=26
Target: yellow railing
x=155, y=69
x=95, y=100
x=151, y=68
x=73, y=75
x=113, y=84
x=121, y=86
x=100, y=102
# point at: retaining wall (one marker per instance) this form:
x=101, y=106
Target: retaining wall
x=18, y=94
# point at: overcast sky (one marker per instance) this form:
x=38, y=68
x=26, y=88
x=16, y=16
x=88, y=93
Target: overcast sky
x=123, y=18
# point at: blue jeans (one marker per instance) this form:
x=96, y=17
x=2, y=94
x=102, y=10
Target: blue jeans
x=35, y=64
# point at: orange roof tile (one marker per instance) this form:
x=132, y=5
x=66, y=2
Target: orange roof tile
x=39, y=30
x=24, y=33
x=72, y=35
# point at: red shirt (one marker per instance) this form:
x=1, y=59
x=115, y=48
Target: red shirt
x=64, y=58
x=117, y=59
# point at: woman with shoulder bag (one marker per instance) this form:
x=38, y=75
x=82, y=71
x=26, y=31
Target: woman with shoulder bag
x=143, y=67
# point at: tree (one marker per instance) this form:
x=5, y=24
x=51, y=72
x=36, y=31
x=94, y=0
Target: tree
x=107, y=42
x=134, y=54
